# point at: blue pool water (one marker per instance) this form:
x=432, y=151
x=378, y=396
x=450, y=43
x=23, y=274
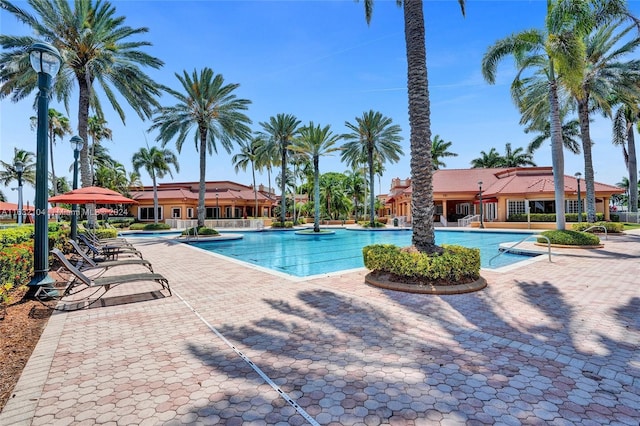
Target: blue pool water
x=303, y=255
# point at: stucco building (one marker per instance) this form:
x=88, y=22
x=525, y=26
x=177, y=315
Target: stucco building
x=505, y=191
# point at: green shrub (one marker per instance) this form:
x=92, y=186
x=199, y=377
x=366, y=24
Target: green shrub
x=611, y=227
x=149, y=226
x=366, y=224
x=16, y=235
x=287, y=224
x=202, y=230
x=16, y=269
x=105, y=233
x=549, y=217
x=456, y=264
x=570, y=238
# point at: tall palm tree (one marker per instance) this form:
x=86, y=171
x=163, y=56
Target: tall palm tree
x=516, y=157
x=422, y=208
x=157, y=162
x=211, y=107
x=553, y=53
x=315, y=142
x=280, y=131
x=10, y=174
x=248, y=155
x=355, y=187
x=58, y=127
x=98, y=130
x=96, y=46
x=487, y=160
x=625, y=117
x=266, y=156
x=605, y=53
x=440, y=149
x=374, y=137
x=2, y=196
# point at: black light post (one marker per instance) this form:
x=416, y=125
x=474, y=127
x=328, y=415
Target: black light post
x=76, y=143
x=19, y=166
x=578, y=175
x=45, y=60
x=481, y=210
x=217, y=206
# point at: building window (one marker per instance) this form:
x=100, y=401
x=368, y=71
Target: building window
x=572, y=206
x=176, y=212
x=516, y=207
x=463, y=208
x=542, y=206
x=189, y=212
x=438, y=209
x=146, y=213
x=212, y=213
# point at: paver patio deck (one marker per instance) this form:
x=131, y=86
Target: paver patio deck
x=545, y=343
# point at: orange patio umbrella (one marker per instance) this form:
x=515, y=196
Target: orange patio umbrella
x=92, y=195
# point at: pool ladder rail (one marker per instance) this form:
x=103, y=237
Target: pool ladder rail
x=548, y=241
x=508, y=249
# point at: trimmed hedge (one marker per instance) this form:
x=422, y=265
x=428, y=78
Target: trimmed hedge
x=16, y=265
x=149, y=226
x=456, y=264
x=203, y=230
x=611, y=227
x=376, y=224
x=570, y=238
x=16, y=235
x=287, y=224
x=550, y=217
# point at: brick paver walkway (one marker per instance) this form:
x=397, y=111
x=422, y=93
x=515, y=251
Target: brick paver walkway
x=545, y=343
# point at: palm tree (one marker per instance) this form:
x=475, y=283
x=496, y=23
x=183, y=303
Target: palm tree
x=96, y=46
x=266, y=156
x=248, y=156
x=440, y=149
x=487, y=160
x=422, y=207
x=28, y=160
x=98, y=130
x=374, y=137
x=315, y=142
x=355, y=187
x=58, y=127
x=157, y=162
x=570, y=131
x=211, y=107
x=604, y=66
x=516, y=157
x=2, y=196
x=556, y=49
x=279, y=131
x=623, y=123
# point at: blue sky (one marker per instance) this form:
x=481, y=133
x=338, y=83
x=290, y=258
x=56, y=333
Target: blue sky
x=320, y=61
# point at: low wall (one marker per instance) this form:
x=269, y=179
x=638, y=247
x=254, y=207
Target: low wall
x=517, y=225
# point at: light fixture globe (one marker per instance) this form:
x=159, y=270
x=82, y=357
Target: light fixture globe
x=76, y=143
x=45, y=58
x=19, y=166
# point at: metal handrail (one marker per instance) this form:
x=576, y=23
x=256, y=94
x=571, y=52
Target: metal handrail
x=465, y=221
x=597, y=226
x=522, y=241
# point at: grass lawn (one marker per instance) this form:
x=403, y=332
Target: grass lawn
x=629, y=226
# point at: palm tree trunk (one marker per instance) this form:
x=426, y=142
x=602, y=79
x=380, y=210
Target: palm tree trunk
x=283, y=183
x=155, y=199
x=83, y=119
x=557, y=154
x=372, y=183
x=202, y=186
x=633, y=170
x=583, y=113
x=316, y=194
x=255, y=191
x=419, y=120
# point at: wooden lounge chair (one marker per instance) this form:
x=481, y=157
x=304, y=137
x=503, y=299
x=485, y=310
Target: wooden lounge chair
x=80, y=282
x=109, y=252
x=85, y=263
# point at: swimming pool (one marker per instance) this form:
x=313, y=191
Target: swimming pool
x=303, y=255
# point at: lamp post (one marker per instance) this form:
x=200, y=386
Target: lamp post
x=481, y=210
x=217, y=206
x=19, y=166
x=76, y=143
x=45, y=60
x=578, y=175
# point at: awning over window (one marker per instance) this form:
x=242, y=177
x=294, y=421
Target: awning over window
x=486, y=200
